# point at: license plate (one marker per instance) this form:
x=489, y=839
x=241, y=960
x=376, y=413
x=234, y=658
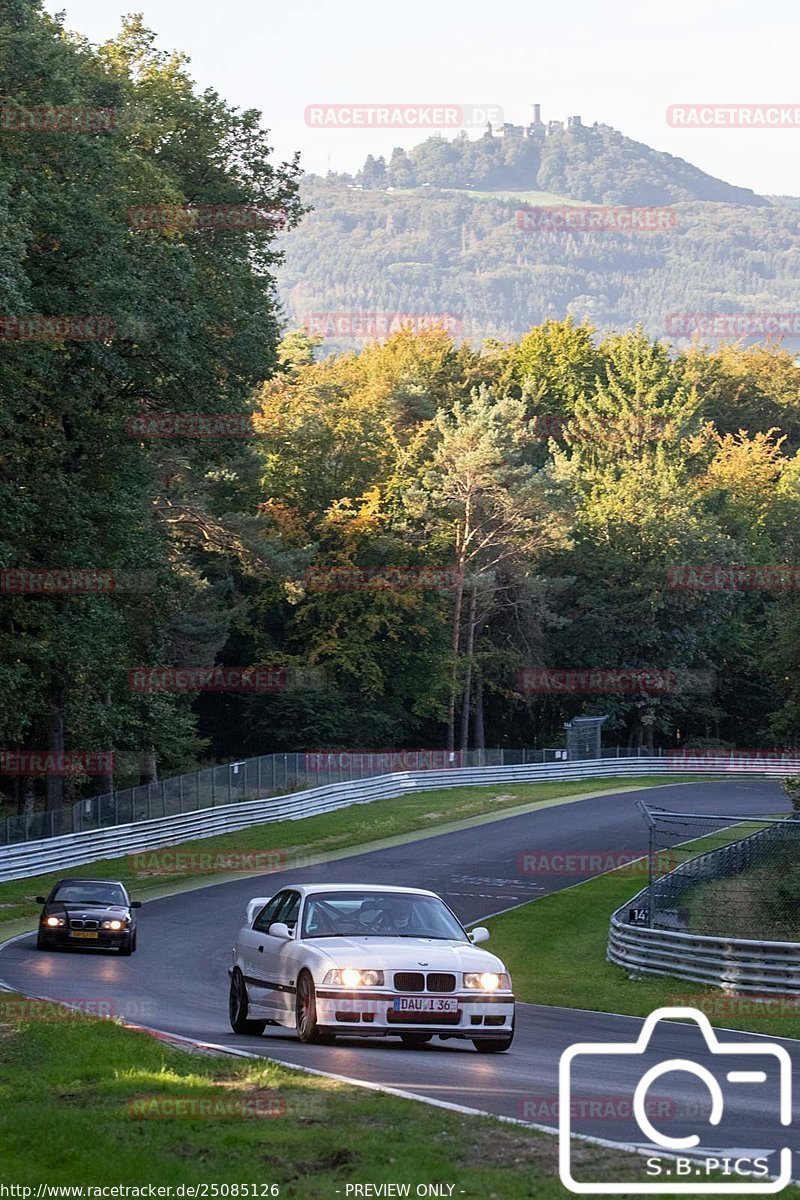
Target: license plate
x=425, y=1004
x=82, y=933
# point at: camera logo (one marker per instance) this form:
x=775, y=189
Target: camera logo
x=703, y=1173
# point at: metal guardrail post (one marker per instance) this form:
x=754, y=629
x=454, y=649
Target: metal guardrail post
x=650, y=861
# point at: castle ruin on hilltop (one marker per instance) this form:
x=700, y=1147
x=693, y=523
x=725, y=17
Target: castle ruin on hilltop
x=536, y=129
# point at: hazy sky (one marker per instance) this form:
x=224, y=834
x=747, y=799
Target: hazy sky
x=620, y=63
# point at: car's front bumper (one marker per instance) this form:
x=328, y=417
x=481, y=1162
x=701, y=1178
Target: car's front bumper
x=372, y=1014
x=106, y=939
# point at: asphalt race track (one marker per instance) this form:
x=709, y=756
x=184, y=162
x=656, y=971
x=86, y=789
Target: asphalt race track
x=178, y=981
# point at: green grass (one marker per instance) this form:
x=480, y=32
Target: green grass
x=555, y=948
x=311, y=836
x=531, y=197
x=762, y=903
x=72, y=1089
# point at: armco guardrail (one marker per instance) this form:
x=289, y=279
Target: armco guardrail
x=252, y=779
x=739, y=964
x=733, y=963
x=21, y=860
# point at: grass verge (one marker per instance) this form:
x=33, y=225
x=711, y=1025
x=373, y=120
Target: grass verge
x=555, y=948
x=289, y=842
x=762, y=903
x=88, y=1102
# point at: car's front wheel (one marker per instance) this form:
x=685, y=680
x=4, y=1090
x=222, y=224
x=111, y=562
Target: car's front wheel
x=238, y=1007
x=306, y=1009
x=129, y=947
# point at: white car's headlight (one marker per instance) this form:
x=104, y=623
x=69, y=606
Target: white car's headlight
x=350, y=977
x=487, y=981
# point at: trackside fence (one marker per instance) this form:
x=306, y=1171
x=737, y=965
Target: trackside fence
x=672, y=928
x=252, y=779
x=22, y=860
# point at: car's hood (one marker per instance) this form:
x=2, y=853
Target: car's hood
x=88, y=912
x=406, y=954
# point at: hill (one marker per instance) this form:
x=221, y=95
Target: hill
x=591, y=163
x=431, y=250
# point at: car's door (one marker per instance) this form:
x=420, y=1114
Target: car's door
x=279, y=956
x=251, y=952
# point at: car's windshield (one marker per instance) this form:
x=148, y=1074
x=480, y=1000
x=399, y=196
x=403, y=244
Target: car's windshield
x=388, y=914
x=89, y=893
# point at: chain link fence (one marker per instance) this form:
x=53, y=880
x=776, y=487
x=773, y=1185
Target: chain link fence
x=255, y=779
x=729, y=877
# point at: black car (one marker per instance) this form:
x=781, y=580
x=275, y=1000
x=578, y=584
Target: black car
x=88, y=912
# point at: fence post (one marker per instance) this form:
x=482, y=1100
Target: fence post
x=650, y=860
x=213, y=787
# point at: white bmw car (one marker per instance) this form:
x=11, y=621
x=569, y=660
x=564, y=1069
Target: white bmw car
x=355, y=959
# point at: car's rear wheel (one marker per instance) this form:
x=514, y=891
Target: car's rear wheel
x=239, y=1006
x=414, y=1040
x=306, y=1009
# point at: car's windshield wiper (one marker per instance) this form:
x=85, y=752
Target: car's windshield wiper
x=429, y=937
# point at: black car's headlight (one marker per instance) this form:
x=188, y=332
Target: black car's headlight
x=352, y=978
x=487, y=981
x=115, y=924
x=53, y=922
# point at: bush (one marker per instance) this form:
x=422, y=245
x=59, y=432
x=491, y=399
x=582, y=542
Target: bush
x=792, y=788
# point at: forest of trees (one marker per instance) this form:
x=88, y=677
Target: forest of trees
x=433, y=250
x=548, y=483
x=592, y=163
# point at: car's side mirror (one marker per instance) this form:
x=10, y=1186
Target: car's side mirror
x=481, y=934
x=41, y=900
x=278, y=929
x=136, y=904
